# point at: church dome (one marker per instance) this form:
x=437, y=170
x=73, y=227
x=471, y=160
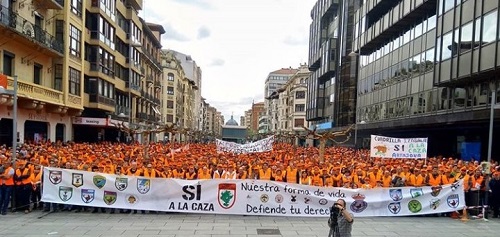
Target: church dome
x=232, y=122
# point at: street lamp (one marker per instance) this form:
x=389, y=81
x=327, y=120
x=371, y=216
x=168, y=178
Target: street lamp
x=13, y=93
x=356, y=132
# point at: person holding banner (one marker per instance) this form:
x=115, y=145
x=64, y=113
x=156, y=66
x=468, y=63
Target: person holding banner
x=340, y=220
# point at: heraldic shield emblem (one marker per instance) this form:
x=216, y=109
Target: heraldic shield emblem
x=55, y=176
x=396, y=194
x=436, y=190
x=416, y=192
x=65, y=193
x=226, y=195
x=143, y=185
x=109, y=197
x=394, y=207
x=88, y=195
x=99, y=181
x=359, y=203
x=453, y=201
x=121, y=183
x=77, y=180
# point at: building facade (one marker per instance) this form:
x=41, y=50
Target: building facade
x=274, y=81
x=428, y=70
x=332, y=85
x=41, y=43
x=178, y=93
x=292, y=103
x=193, y=73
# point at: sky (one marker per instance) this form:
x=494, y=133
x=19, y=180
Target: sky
x=237, y=43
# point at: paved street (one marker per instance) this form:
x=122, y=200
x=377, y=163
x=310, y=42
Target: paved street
x=87, y=224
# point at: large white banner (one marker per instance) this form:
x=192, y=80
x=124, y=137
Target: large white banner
x=391, y=147
x=242, y=197
x=262, y=145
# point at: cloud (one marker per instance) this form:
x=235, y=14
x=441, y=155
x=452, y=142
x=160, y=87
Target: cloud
x=172, y=34
x=295, y=41
x=198, y=3
x=203, y=32
x=217, y=62
x=236, y=107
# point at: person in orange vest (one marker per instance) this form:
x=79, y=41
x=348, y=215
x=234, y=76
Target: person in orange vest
x=305, y=179
x=279, y=175
x=434, y=178
x=265, y=172
x=23, y=186
x=36, y=194
x=6, y=186
x=191, y=173
x=219, y=172
x=291, y=173
x=204, y=173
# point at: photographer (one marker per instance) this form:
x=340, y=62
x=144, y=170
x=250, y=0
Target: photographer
x=340, y=220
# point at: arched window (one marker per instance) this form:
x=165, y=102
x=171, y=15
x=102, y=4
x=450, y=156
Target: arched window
x=170, y=77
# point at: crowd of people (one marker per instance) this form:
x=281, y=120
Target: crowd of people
x=340, y=167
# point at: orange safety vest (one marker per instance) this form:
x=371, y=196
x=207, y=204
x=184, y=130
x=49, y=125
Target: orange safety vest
x=291, y=175
x=204, y=175
x=265, y=175
x=305, y=180
x=27, y=180
x=386, y=181
x=317, y=180
x=9, y=181
x=434, y=181
x=190, y=176
x=148, y=174
x=329, y=182
x=279, y=178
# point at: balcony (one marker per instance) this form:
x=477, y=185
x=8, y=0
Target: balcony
x=149, y=79
x=156, y=101
x=32, y=35
x=96, y=98
x=152, y=118
x=136, y=4
x=109, y=12
x=49, y=4
x=157, y=84
x=33, y=91
x=119, y=109
x=142, y=116
x=135, y=87
x=151, y=58
x=96, y=35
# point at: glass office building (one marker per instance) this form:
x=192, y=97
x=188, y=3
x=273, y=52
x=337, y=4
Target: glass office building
x=427, y=68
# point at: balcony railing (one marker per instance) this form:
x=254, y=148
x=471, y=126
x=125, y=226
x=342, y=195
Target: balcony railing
x=149, y=79
x=141, y=115
x=152, y=58
x=99, y=36
x=133, y=86
x=119, y=109
x=105, y=9
x=96, y=98
x=36, y=92
x=152, y=118
x=29, y=30
x=158, y=84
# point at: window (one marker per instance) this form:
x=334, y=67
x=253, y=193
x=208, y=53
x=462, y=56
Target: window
x=8, y=63
x=76, y=7
x=447, y=46
x=170, y=77
x=170, y=90
x=300, y=107
x=300, y=95
x=106, y=62
x=170, y=104
x=37, y=73
x=74, y=81
x=170, y=118
x=58, y=75
x=298, y=123
x=466, y=41
x=75, y=38
x=489, y=32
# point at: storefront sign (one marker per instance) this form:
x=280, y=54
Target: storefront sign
x=38, y=117
x=90, y=121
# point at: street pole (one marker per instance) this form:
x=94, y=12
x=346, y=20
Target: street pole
x=490, y=144
x=356, y=132
x=14, y=125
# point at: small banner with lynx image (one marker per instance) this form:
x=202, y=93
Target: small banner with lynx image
x=391, y=147
x=242, y=197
